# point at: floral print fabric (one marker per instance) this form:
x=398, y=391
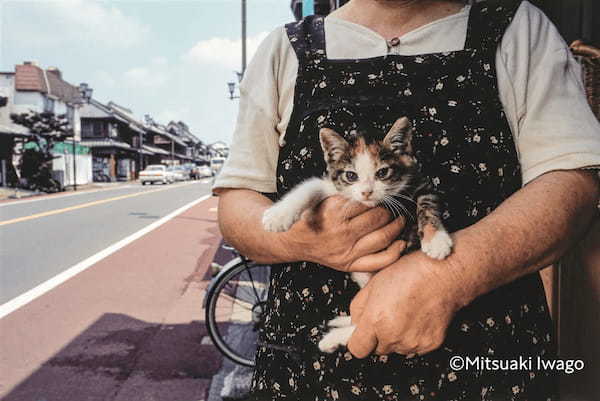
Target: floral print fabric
x=464, y=144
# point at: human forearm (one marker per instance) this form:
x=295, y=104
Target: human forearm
x=350, y=237
x=240, y=221
x=530, y=230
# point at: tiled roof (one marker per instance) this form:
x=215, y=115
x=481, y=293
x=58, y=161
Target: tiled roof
x=106, y=143
x=30, y=78
x=62, y=89
x=157, y=151
x=14, y=130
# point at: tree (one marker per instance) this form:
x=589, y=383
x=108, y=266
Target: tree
x=47, y=129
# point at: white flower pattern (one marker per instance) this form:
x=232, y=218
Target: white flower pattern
x=461, y=143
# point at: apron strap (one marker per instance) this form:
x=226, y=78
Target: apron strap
x=488, y=21
x=307, y=38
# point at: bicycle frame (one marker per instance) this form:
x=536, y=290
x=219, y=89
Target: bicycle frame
x=228, y=266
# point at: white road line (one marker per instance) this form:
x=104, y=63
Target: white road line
x=36, y=198
x=55, y=281
x=13, y=202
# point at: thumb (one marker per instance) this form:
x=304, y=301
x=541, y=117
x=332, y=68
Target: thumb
x=363, y=341
x=357, y=306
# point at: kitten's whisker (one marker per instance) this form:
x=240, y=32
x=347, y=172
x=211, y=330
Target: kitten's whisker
x=405, y=197
x=389, y=207
x=390, y=202
x=406, y=213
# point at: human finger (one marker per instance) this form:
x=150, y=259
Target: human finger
x=363, y=341
x=357, y=306
x=341, y=208
x=377, y=261
x=369, y=221
x=380, y=238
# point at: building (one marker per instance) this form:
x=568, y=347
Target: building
x=31, y=88
x=116, y=139
x=219, y=149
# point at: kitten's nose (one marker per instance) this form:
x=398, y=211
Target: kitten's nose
x=367, y=193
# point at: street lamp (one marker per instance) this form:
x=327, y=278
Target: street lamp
x=231, y=85
x=85, y=94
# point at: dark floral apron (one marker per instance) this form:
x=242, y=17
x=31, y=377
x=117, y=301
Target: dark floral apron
x=464, y=144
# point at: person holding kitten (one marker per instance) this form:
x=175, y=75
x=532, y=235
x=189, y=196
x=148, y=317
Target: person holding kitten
x=499, y=126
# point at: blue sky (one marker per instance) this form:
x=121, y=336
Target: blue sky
x=167, y=58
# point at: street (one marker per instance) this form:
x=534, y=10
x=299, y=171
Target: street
x=37, y=245
x=129, y=324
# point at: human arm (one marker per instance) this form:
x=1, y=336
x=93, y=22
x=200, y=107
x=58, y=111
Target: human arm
x=351, y=237
x=407, y=307
x=554, y=129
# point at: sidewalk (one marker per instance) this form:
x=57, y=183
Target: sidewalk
x=7, y=193
x=129, y=328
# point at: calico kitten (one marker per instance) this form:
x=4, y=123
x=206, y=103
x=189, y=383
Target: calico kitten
x=373, y=173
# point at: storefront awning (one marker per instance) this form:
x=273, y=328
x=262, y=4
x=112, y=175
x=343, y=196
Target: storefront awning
x=107, y=143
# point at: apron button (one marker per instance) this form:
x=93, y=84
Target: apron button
x=393, y=42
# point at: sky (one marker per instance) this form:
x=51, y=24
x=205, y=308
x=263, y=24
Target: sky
x=170, y=59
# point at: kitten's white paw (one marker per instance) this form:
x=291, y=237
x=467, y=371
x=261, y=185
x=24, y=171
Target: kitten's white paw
x=278, y=219
x=340, y=321
x=336, y=337
x=440, y=245
x=361, y=278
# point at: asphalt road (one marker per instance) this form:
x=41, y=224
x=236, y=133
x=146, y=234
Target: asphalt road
x=41, y=238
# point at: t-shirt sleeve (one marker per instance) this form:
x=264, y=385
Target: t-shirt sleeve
x=552, y=123
x=254, y=150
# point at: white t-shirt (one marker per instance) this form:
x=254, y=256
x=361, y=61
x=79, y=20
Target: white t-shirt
x=539, y=84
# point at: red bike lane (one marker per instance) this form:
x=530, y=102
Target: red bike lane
x=129, y=328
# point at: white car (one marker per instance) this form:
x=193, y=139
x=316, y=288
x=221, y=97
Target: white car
x=216, y=163
x=155, y=173
x=177, y=173
x=205, y=171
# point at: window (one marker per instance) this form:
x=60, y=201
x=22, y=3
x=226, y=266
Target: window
x=48, y=105
x=94, y=129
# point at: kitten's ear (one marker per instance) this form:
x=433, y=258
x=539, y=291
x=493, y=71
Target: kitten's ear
x=333, y=144
x=399, y=137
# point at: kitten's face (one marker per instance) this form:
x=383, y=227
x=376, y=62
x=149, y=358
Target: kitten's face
x=368, y=172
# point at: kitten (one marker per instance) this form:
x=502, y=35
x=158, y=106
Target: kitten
x=373, y=173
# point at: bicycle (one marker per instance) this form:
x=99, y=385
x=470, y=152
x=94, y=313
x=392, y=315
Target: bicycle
x=234, y=306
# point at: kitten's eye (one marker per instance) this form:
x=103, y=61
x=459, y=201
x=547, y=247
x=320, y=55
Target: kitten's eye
x=351, y=176
x=382, y=173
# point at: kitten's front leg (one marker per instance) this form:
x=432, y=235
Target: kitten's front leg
x=342, y=329
x=435, y=240
x=285, y=212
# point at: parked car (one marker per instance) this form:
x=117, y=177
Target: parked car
x=179, y=173
x=184, y=171
x=189, y=170
x=155, y=173
x=204, y=171
x=216, y=163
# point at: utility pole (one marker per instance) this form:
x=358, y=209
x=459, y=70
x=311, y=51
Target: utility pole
x=243, y=37
x=74, y=164
x=141, y=161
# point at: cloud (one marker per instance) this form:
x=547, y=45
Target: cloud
x=153, y=75
x=223, y=51
x=74, y=22
x=142, y=77
x=167, y=115
x=103, y=78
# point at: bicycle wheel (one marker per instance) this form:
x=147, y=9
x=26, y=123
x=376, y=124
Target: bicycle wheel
x=235, y=309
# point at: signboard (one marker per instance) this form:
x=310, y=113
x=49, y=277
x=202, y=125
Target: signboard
x=161, y=140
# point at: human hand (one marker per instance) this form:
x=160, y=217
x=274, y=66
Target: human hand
x=350, y=236
x=405, y=308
